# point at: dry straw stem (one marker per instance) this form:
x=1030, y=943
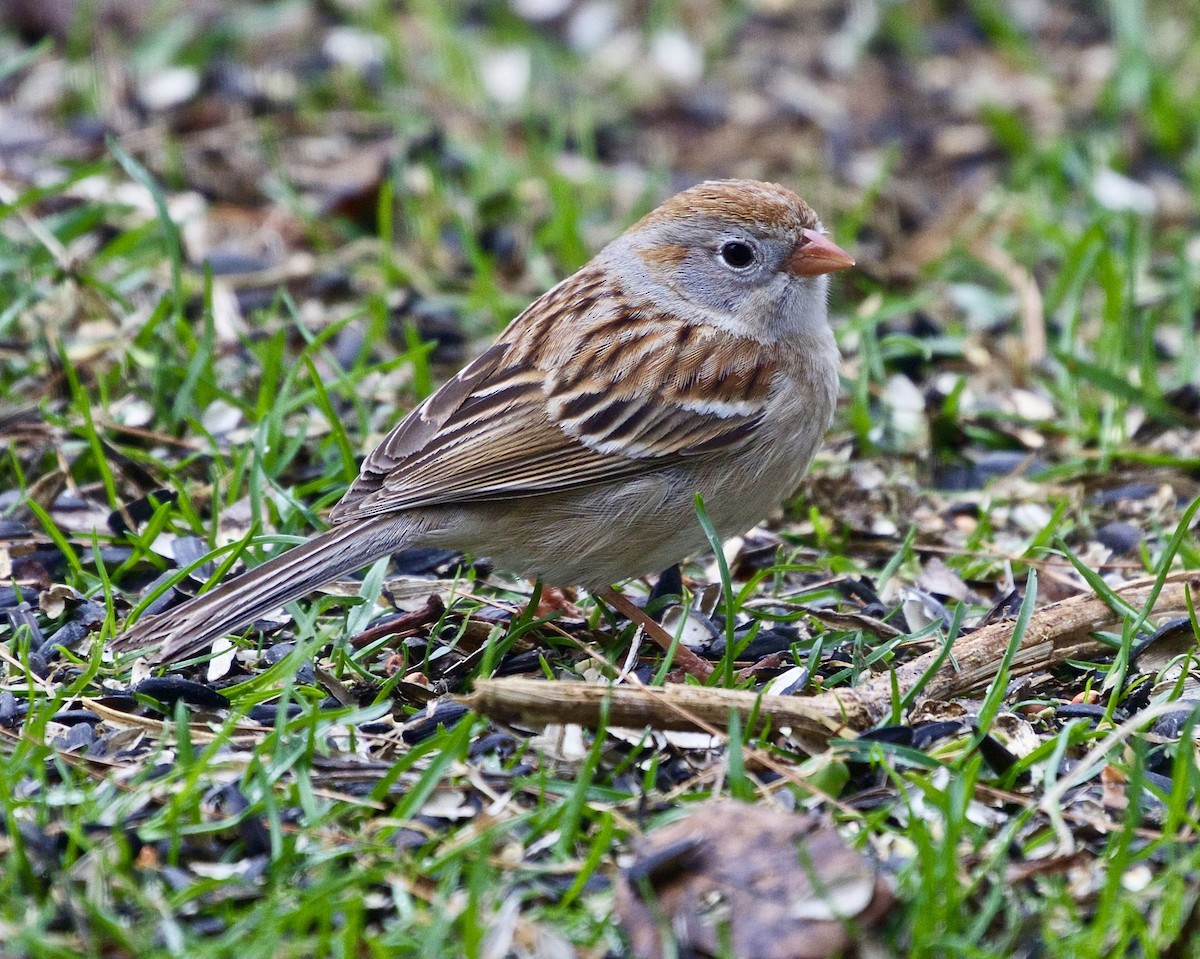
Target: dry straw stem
x=1059, y=632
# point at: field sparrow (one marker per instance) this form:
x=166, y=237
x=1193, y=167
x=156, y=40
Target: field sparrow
x=692, y=355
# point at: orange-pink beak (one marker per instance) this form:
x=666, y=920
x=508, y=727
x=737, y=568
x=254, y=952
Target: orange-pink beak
x=815, y=254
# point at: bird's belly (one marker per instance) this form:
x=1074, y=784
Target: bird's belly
x=633, y=528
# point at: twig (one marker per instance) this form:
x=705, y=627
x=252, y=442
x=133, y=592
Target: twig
x=685, y=659
x=674, y=706
x=1057, y=633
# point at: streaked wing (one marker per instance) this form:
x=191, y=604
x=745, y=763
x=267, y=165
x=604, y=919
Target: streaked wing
x=614, y=393
x=639, y=387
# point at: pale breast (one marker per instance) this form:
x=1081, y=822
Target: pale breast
x=644, y=524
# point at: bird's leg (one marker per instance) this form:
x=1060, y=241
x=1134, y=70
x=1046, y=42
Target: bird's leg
x=688, y=661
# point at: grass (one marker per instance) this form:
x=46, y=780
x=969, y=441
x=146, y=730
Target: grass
x=340, y=818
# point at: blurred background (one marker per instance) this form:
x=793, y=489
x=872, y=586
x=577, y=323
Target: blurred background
x=198, y=191
x=1018, y=181
x=963, y=150
x=237, y=181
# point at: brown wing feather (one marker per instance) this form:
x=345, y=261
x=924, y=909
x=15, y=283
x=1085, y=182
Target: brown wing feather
x=709, y=389
x=614, y=393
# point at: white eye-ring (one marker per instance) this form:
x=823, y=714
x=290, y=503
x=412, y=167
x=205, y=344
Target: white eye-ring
x=737, y=254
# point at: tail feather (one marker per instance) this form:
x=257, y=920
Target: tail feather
x=188, y=629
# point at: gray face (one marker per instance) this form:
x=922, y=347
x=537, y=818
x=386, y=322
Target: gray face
x=735, y=271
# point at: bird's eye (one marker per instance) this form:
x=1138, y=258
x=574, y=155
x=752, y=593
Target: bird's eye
x=737, y=254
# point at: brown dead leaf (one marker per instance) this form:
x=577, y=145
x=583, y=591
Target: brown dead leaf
x=748, y=881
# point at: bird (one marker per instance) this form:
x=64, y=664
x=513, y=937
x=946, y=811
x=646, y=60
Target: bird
x=693, y=355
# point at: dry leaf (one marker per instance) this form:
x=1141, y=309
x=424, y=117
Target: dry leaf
x=749, y=881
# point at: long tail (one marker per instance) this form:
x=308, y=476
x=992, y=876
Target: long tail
x=188, y=629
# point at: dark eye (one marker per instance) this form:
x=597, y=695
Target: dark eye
x=737, y=254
